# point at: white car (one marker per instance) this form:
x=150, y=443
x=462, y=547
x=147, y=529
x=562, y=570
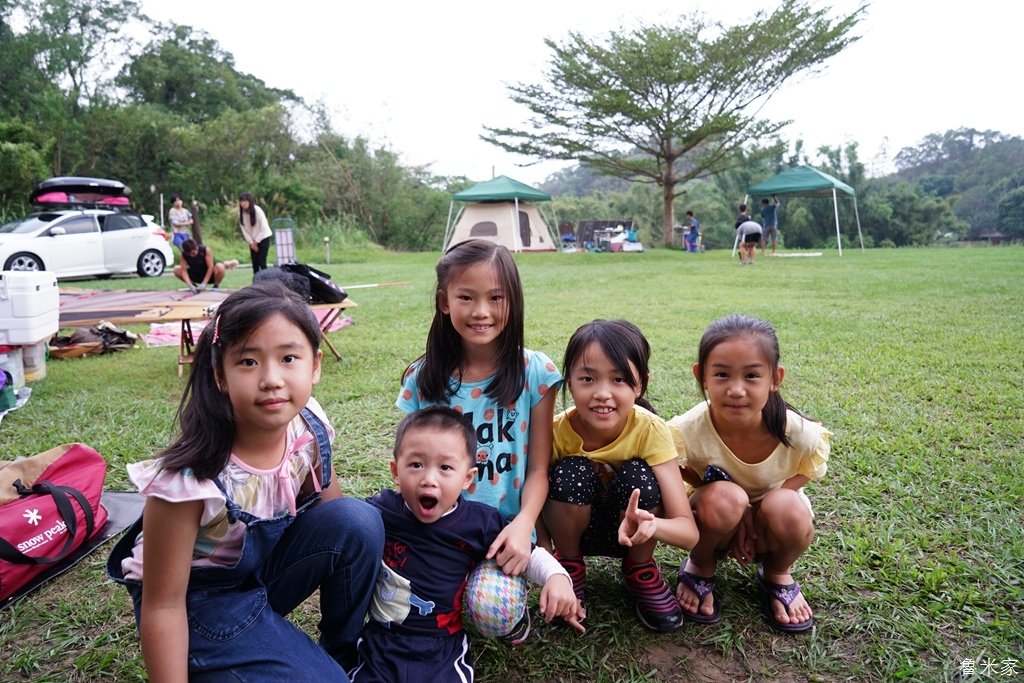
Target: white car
x=79, y=242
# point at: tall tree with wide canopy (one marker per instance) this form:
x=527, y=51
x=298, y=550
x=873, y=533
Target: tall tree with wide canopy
x=666, y=104
x=186, y=72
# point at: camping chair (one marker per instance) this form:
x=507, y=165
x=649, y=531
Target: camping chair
x=284, y=240
x=568, y=237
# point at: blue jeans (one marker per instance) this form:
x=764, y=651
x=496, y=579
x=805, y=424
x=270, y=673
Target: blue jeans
x=236, y=615
x=335, y=546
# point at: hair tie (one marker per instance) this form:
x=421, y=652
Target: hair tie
x=216, y=329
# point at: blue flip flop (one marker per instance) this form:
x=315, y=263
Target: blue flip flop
x=701, y=586
x=784, y=593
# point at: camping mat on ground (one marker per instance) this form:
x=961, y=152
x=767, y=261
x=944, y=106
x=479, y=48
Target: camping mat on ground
x=123, y=508
x=82, y=308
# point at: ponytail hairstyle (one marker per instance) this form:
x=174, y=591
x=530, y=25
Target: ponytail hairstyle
x=247, y=196
x=205, y=418
x=445, y=355
x=762, y=334
x=623, y=343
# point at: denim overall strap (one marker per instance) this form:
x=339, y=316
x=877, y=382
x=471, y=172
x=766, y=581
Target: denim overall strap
x=323, y=445
x=235, y=513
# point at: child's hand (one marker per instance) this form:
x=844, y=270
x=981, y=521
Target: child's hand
x=637, y=526
x=558, y=600
x=512, y=548
x=744, y=543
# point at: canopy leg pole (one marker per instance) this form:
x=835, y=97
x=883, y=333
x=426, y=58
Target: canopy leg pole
x=835, y=208
x=857, y=214
x=516, y=241
x=448, y=227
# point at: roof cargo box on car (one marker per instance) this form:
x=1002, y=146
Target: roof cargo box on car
x=29, y=306
x=74, y=191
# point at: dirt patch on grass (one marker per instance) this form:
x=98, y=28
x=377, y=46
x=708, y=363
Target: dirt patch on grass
x=679, y=663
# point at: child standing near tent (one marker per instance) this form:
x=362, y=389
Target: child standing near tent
x=615, y=484
x=770, y=219
x=748, y=235
x=244, y=519
x=749, y=454
x=693, y=237
x=475, y=361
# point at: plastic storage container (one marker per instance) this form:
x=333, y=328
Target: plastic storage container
x=11, y=361
x=33, y=357
x=29, y=307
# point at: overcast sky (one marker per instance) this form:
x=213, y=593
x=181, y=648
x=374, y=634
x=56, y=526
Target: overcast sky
x=426, y=78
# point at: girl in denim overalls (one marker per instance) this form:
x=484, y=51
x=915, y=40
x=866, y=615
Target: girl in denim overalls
x=243, y=518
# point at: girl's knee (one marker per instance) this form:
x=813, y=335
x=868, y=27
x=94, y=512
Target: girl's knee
x=572, y=480
x=637, y=474
x=784, y=514
x=721, y=505
x=356, y=522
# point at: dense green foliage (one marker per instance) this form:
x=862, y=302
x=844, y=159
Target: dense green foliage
x=918, y=555
x=79, y=97
x=175, y=115
x=982, y=170
x=667, y=104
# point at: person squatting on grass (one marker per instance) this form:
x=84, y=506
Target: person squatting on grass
x=244, y=518
x=433, y=537
x=197, y=267
x=749, y=454
x=615, y=486
x=475, y=362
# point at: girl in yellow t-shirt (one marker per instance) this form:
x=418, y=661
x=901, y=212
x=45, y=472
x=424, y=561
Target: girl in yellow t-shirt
x=748, y=454
x=614, y=487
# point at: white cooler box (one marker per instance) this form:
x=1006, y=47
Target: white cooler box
x=29, y=306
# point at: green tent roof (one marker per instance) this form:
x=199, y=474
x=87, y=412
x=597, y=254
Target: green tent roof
x=500, y=189
x=801, y=180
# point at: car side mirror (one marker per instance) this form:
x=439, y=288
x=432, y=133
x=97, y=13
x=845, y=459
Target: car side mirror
x=57, y=230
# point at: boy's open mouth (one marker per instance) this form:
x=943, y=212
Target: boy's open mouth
x=428, y=503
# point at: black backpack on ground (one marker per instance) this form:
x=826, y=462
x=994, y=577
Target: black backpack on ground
x=322, y=290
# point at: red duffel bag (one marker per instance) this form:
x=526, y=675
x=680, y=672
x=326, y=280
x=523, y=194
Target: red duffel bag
x=49, y=506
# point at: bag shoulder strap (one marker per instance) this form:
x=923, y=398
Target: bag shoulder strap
x=67, y=514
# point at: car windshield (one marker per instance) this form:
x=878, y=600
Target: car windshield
x=29, y=223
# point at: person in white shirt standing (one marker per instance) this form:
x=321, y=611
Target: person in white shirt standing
x=255, y=230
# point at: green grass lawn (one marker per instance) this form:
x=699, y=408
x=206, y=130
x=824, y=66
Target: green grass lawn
x=911, y=357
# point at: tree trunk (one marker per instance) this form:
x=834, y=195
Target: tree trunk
x=667, y=212
x=197, y=234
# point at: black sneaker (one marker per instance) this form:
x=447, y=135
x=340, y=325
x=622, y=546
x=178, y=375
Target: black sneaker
x=521, y=631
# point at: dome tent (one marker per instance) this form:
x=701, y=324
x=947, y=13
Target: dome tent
x=804, y=181
x=503, y=211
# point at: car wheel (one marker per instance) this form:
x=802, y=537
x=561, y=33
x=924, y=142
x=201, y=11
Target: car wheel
x=151, y=263
x=23, y=261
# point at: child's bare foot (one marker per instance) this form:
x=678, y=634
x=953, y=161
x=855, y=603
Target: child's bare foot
x=696, y=594
x=786, y=609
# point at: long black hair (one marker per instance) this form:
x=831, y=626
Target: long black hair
x=761, y=333
x=205, y=419
x=623, y=343
x=247, y=196
x=444, y=355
